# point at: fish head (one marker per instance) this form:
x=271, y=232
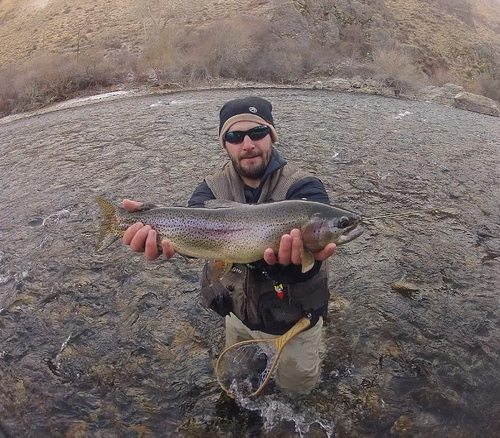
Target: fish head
x=337, y=226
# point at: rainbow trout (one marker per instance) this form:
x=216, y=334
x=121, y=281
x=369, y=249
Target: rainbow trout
x=235, y=233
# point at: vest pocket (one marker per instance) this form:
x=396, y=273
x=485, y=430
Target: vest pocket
x=225, y=295
x=313, y=297
x=217, y=298
x=276, y=312
x=213, y=294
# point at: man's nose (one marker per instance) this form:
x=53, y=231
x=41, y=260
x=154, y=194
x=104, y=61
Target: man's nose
x=247, y=143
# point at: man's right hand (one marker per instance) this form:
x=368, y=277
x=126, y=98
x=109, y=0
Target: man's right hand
x=142, y=238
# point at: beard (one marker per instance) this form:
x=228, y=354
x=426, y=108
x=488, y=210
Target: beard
x=251, y=172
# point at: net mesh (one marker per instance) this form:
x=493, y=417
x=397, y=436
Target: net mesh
x=243, y=368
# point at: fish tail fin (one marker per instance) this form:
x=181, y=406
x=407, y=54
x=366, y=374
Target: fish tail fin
x=107, y=229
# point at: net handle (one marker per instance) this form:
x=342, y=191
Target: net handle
x=300, y=326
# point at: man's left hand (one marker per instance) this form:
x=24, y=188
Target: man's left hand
x=289, y=250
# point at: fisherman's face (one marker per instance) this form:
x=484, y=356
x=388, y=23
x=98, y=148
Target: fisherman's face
x=250, y=157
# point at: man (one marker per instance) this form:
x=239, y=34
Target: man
x=266, y=298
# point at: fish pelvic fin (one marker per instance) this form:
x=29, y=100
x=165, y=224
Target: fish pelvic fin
x=221, y=268
x=308, y=260
x=107, y=229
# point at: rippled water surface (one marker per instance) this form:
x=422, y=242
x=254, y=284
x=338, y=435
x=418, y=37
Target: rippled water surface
x=111, y=345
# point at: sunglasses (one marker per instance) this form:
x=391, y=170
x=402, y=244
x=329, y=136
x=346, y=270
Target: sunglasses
x=257, y=133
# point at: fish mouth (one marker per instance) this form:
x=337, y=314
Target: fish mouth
x=350, y=233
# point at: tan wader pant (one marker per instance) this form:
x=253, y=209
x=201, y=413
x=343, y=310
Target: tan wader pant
x=299, y=365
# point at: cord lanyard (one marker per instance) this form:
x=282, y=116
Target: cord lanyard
x=278, y=287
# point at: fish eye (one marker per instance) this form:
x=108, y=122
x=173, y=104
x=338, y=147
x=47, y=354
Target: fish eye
x=344, y=222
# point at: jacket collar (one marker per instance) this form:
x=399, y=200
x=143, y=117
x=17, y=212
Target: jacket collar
x=276, y=162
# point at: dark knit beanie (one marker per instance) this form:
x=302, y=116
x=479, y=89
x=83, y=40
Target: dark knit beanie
x=249, y=109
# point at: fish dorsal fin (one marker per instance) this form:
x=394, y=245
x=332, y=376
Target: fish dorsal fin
x=223, y=203
x=146, y=207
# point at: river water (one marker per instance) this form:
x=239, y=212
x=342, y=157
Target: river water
x=109, y=345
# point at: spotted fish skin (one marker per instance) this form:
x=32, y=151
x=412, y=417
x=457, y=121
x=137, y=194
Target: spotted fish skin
x=239, y=233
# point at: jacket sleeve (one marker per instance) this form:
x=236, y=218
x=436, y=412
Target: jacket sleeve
x=201, y=194
x=310, y=189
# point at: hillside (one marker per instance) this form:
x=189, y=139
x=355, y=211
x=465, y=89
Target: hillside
x=459, y=33
x=31, y=26
x=464, y=35
x=80, y=45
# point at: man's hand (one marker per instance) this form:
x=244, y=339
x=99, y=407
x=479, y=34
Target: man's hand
x=289, y=250
x=142, y=238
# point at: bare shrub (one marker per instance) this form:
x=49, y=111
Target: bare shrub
x=8, y=91
x=281, y=61
x=443, y=76
x=249, y=48
x=163, y=53
x=225, y=50
x=245, y=47
x=50, y=78
x=349, y=68
x=401, y=67
x=45, y=80
x=352, y=39
x=124, y=61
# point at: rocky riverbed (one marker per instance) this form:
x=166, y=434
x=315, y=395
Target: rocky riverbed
x=111, y=345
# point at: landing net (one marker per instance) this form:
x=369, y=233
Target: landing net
x=244, y=368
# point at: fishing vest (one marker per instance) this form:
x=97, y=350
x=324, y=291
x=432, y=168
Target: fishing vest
x=247, y=291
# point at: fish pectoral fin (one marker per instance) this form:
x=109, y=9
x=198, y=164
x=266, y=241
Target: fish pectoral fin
x=221, y=268
x=307, y=260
